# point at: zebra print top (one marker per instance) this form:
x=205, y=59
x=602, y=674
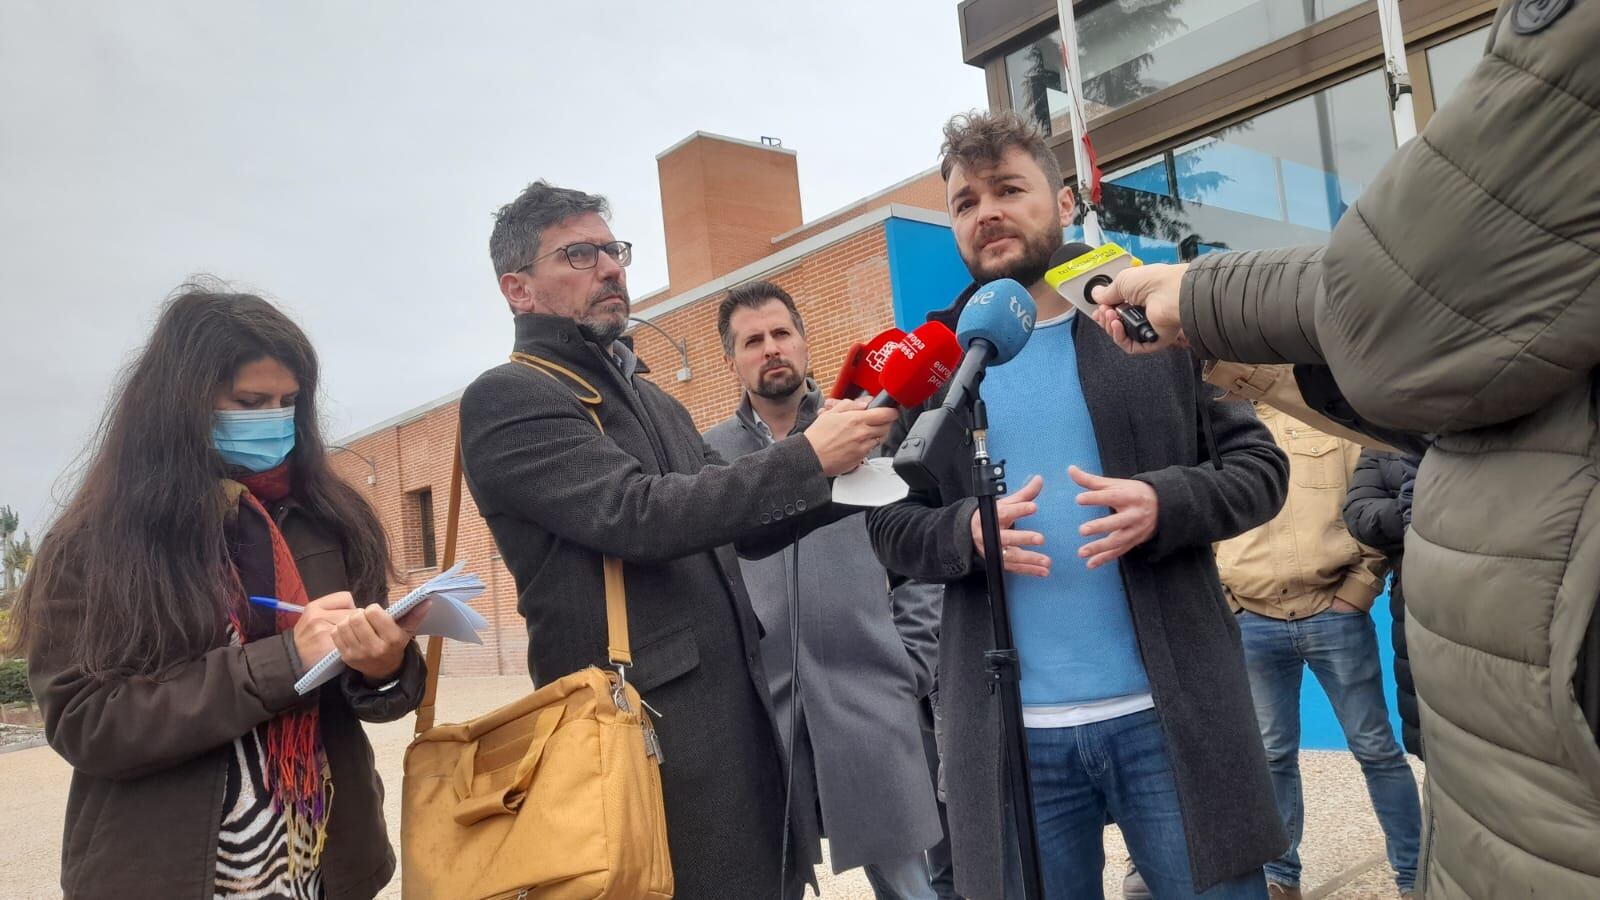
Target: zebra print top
x=253, y=846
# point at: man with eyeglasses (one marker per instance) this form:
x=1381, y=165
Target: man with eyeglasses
x=559, y=494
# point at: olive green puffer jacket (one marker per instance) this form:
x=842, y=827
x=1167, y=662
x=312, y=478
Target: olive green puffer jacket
x=1460, y=298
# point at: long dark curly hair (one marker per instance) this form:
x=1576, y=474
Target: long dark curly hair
x=142, y=536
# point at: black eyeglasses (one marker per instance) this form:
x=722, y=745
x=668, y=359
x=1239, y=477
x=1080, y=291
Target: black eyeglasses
x=585, y=255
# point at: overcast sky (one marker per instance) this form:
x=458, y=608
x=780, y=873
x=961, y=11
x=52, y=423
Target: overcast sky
x=344, y=158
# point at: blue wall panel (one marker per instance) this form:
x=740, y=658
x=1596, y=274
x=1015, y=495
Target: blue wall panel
x=925, y=271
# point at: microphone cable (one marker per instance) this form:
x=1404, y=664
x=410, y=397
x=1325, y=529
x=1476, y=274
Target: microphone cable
x=794, y=717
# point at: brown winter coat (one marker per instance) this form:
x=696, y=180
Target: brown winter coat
x=150, y=755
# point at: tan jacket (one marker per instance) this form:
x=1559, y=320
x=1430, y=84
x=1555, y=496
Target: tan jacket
x=1295, y=566
x=1275, y=386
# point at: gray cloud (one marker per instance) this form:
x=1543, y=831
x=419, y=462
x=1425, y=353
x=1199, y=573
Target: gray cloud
x=344, y=158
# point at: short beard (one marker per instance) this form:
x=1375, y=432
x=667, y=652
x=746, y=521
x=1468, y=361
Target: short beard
x=1027, y=270
x=602, y=331
x=778, y=389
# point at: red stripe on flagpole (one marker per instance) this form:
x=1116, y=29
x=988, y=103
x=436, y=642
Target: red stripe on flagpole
x=1093, y=193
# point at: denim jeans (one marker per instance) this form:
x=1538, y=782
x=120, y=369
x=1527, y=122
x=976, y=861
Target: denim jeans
x=1118, y=766
x=1342, y=650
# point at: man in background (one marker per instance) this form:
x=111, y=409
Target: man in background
x=848, y=660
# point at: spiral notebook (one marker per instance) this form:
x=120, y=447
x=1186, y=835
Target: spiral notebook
x=449, y=616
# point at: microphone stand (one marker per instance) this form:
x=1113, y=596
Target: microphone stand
x=988, y=483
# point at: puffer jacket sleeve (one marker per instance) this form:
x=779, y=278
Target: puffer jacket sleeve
x=1463, y=288
x=1254, y=306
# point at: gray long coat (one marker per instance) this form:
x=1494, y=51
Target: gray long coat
x=1145, y=416
x=557, y=495
x=859, y=680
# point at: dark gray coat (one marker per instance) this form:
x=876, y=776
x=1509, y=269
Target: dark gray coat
x=1145, y=413
x=557, y=495
x=862, y=756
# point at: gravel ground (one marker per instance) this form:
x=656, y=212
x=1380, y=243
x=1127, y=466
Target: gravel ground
x=19, y=737
x=1343, y=849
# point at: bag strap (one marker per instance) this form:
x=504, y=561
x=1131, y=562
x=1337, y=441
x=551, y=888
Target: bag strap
x=618, y=647
x=435, y=652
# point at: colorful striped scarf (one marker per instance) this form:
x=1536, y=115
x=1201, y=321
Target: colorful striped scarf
x=296, y=762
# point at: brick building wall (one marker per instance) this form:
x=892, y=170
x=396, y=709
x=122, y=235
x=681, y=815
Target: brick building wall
x=415, y=456
x=924, y=190
x=722, y=200
x=842, y=291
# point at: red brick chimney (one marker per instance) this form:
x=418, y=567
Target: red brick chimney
x=723, y=200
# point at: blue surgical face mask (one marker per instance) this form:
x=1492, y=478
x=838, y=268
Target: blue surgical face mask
x=254, y=439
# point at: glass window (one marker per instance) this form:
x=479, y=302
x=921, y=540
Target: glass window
x=1035, y=76
x=419, y=513
x=1284, y=177
x=1134, y=48
x=1449, y=63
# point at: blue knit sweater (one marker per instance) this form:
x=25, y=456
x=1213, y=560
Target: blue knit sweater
x=1073, y=631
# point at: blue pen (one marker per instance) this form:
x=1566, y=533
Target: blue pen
x=279, y=605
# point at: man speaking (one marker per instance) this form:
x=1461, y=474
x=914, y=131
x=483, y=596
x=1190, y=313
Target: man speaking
x=1133, y=684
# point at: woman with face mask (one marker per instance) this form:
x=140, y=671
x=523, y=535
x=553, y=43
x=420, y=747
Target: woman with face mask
x=197, y=768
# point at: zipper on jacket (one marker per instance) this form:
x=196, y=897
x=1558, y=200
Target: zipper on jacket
x=1430, y=827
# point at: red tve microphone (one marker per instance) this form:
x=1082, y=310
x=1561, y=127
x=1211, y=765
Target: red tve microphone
x=924, y=361
x=863, y=362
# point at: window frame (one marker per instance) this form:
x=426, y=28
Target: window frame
x=1335, y=49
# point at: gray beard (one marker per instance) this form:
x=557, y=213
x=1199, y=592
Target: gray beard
x=602, y=331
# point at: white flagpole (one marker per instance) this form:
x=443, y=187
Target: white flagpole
x=1073, y=85
x=1398, y=75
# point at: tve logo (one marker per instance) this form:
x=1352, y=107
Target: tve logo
x=1023, y=314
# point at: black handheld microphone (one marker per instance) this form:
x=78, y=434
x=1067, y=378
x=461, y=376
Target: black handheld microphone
x=1076, y=269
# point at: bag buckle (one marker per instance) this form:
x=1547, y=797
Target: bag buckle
x=652, y=743
x=619, y=690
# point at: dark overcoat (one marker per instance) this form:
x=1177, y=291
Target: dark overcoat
x=558, y=495
x=1145, y=412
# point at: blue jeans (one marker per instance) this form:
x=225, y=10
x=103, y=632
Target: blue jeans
x=1118, y=766
x=1342, y=651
